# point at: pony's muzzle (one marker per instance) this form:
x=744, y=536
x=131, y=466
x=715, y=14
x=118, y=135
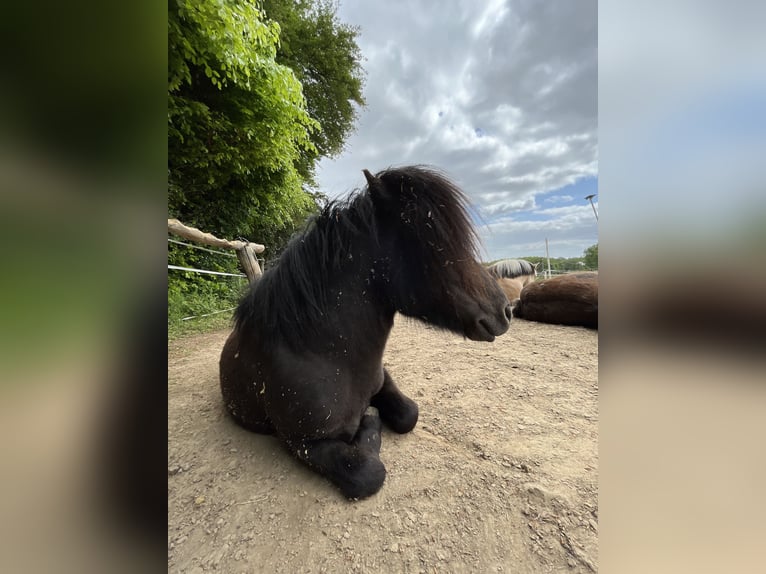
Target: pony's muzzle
x=489, y=327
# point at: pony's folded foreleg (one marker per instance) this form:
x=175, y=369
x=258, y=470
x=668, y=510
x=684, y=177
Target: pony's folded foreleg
x=353, y=467
x=398, y=411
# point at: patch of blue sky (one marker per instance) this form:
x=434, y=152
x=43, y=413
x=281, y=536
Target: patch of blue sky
x=568, y=195
x=572, y=194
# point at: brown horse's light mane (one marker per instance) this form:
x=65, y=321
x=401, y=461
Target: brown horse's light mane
x=511, y=268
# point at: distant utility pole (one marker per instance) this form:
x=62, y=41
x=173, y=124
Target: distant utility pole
x=548, y=258
x=590, y=198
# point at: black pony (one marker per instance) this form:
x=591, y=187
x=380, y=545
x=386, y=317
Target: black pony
x=304, y=361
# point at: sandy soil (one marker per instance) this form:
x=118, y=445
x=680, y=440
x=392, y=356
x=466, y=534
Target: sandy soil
x=499, y=475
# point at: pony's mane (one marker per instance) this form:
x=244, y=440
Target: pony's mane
x=293, y=289
x=510, y=268
x=291, y=297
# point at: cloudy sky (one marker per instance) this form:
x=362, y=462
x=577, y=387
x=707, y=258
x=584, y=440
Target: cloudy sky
x=501, y=95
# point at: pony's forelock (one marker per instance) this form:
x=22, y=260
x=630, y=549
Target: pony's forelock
x=436, y=211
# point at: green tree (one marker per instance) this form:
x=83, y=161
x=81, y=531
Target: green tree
x=237, y=122
x=591, y=257
x=238, y=128
x=324, y=55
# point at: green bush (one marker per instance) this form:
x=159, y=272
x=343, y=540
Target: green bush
x=193, y=294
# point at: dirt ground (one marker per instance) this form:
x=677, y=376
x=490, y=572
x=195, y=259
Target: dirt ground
x=499, y=475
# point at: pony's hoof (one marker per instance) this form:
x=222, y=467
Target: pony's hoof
x=367, y=479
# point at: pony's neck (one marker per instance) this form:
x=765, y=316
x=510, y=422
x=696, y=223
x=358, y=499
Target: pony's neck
x=357, y=309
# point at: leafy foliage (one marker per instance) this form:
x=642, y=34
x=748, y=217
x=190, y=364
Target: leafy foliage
x=191, y=294
x=591, y=257
x=323, y=54
x=244, y=134
x=237, y=122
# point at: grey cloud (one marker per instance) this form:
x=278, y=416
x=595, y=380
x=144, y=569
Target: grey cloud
x=503, y=99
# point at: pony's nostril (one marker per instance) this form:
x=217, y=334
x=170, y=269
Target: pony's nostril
x=508, y=312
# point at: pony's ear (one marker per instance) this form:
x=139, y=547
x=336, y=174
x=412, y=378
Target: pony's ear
x=371, y=179
x=377, y=188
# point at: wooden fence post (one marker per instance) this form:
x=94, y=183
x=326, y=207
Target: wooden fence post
x=249, y=262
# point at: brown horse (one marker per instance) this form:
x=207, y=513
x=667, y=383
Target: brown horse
x=513, y=275
x=570, y=299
